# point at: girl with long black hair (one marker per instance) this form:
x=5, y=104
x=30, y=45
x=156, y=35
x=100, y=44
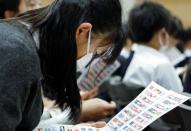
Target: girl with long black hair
x=45, y=44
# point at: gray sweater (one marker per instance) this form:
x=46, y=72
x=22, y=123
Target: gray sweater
x=20, y=93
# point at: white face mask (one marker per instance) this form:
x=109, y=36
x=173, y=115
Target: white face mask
x=187, y=52
x=164, y=46
x=82, y=62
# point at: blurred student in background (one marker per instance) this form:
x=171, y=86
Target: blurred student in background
x=174, y=49
x=187, y=62
x=141, y=60
x=187, y=80
x=33, y=4
x=175, y=31
x=187, y=42
x=147, y=25
x=11, y=8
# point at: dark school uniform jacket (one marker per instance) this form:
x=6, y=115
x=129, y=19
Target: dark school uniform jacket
x=20, y=93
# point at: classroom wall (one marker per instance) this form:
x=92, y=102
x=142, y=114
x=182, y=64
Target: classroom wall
x=46, y=2
x=181, y=8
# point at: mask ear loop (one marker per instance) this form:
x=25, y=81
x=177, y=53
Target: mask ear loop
x=167, y=39
x=89, y=42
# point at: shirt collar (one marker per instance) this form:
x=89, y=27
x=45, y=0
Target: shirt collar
x=139, y=48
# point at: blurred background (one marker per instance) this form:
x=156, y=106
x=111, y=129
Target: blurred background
x=181, y=8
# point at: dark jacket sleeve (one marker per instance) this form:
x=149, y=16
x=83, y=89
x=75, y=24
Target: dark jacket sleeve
x=187, y=82
x=20, y=95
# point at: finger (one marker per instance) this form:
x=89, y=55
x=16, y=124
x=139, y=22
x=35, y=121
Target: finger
x=93, y=93
x=111, y=108
x=99, y=124
x=85, y=95
x=113, y=104
x=94, y=90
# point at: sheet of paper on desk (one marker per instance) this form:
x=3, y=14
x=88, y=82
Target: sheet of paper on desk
x=96, y=74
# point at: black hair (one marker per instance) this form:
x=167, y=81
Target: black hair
x=187, y=35
x=145, y=20
x=180, y=46
x=57, y=25
x=12, y=5
x=176, y=28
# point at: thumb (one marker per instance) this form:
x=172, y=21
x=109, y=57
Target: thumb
x=99, y=124
x=110, y=108
x=113, y=104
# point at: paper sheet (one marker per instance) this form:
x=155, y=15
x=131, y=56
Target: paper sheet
x=96, y=74
x=148, y=106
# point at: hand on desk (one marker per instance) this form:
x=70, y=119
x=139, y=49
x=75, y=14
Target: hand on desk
x=96, y=109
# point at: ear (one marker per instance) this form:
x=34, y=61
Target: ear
x=83, y=29
x=161, y=33
x=82, y=38
x=9, y=14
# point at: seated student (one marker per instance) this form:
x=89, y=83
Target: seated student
x=186, y=46
x=172, y=49
x=147, y=29
x=10, y=8
x=46, y=44
x=124, y=59
x=187, y=42
x=175, y=32
x=187, y=81
x=128, y=44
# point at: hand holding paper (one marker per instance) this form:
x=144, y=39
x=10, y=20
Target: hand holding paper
x=148, y=106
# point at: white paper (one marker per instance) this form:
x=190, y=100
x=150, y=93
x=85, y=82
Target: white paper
x=96, y=74
x=148, y=106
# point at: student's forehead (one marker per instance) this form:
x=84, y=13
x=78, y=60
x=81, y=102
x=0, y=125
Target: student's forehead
x=103, y=43
x=103, y=39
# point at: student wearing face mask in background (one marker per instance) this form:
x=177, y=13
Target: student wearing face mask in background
x=187, y=63
x=147, y=25
x=172, y=50
x=175, y=31
x=186, y=47
x=187, y=42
